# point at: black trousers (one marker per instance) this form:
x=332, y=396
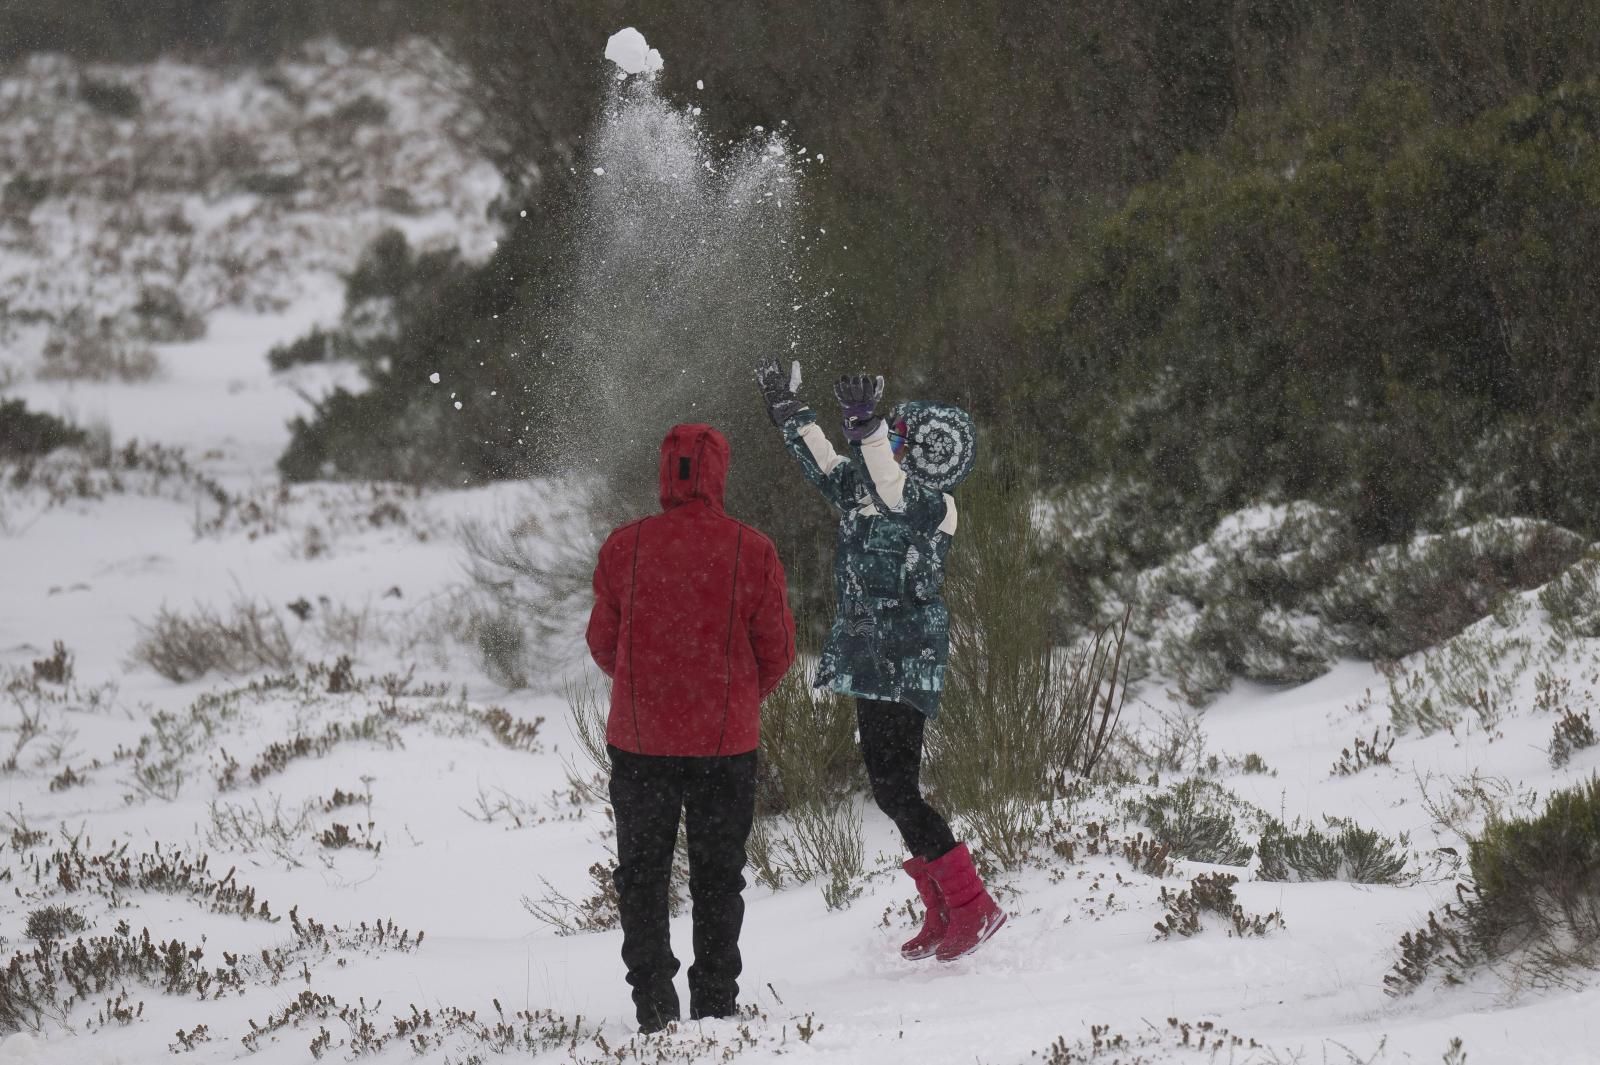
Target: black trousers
x=716, y=798
x=891, y=746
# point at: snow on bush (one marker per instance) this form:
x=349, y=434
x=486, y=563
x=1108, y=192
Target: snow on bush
x=139, y=199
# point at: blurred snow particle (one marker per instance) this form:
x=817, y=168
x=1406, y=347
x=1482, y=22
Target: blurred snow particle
x=699, y=84
x=599, y=171
x=434, y=377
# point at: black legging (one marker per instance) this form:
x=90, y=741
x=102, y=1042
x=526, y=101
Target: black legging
x=891, y=745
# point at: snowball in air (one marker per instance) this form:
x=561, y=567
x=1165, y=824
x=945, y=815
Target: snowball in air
x=434, y=377
x=599, y=171
x=628, y=49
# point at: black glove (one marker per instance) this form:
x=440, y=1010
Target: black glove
x=858, y=394
x=777, y=389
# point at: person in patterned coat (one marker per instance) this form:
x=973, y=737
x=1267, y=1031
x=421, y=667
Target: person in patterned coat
x=889, y=645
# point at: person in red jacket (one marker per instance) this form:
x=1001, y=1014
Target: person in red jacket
x=691, y=622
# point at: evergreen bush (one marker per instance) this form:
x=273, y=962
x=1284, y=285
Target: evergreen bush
x=1198, y=820
x=1537, y=881
x=25, y=433
x=1346, y=852
x=1020, y=716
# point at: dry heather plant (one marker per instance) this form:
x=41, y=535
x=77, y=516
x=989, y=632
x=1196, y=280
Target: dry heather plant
x=1207, y=1040
x=1365, y=753
x=1573, y=732
x=53, y=981
x=533, y=577
x=160, y=762
x=79, y=350
x=1211, y=892
x=250, y=638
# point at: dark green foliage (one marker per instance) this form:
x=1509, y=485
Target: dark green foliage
x=1533, y=901
x=163, y=318
x=1345, y=852
x=409, y=316
x=1259, y=355
x=140, y=30
x=109, y=97
x=1573, y=732
x=1197, y=819
x=1020, y=717
x=319, y=345
x=1538, y=881
x=808, y=753
x=364, y=110
x=24, y=432
x=52, y=923
x=1406, y=599
x=23, y=192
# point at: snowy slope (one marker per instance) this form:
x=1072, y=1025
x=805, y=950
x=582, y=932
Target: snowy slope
x=90, y=571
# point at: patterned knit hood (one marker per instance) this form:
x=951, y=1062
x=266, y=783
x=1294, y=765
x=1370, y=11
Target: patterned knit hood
x=943, y=442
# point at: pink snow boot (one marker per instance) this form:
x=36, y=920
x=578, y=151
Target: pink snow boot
x=935, y=919
x=974, y=917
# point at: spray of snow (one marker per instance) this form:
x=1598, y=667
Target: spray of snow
x=685, y=275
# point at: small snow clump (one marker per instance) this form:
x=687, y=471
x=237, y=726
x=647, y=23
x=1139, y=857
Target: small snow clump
x=628, y=49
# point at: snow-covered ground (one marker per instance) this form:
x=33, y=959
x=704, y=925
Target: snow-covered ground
x=453, y=808
x=429, y=768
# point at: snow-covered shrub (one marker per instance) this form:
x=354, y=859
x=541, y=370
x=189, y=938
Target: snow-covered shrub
x=1474, y=672
x=148, y=196
x=1533, y=901
x=1233, y=605
x=1573, y=600
x=1198, y=820
x=1345, y=852
x=1405, y=598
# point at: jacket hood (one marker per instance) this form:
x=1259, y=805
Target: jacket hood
x=943, y=442
x=694, y=465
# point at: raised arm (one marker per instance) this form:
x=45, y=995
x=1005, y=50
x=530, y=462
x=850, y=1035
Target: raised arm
x=898, y=495
x=879, y=472
x=832, y=474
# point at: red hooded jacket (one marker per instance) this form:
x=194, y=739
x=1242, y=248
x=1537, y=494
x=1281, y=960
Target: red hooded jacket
x=691, y=614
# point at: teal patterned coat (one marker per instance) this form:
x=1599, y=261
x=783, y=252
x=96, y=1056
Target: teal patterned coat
x=891, y=637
